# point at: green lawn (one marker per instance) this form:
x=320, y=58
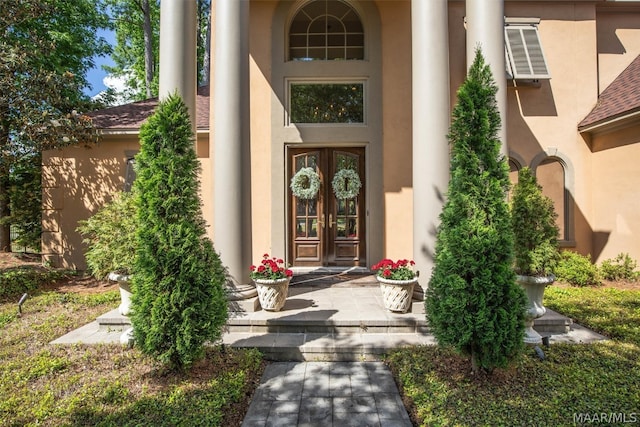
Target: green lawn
x=573, y=380
x=108, y=385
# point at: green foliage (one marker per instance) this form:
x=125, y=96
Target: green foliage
x=609, y=311
x=25, y=195
x=137, y=31
x=179, y=301
x=473, y=302
x=110, y=236
x=16, y=281
x=578, y=270
x=622, y=267
x=46, y=48
x=534, y=227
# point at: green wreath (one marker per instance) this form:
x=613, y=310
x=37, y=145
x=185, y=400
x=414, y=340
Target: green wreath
x=346, y=184
x=305, y=183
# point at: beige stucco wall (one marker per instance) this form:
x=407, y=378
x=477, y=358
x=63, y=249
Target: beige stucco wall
x=77, y=181
x=585, y=47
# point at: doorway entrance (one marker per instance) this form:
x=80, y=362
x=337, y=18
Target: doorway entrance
x=328, y=230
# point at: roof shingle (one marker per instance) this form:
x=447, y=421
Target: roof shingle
x=132, y=116
x=620, y=98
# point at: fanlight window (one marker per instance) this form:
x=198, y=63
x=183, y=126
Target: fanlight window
x=326, y=30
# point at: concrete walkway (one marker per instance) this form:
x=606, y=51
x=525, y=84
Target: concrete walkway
x=327, y=394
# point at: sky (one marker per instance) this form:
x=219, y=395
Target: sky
x=97, y=74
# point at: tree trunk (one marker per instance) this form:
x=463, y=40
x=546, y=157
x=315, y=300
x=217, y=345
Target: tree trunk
x=148, y=47
x=474, y=363
x=206, y=60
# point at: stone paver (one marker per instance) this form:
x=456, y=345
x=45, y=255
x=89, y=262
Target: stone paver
x=327, y=394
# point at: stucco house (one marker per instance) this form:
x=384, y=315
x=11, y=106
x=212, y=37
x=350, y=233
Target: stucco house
x=368, y=85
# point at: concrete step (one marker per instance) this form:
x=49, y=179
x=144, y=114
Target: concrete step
x=346, y=347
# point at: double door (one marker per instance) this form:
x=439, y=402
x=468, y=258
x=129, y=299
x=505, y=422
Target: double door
x=328, y=229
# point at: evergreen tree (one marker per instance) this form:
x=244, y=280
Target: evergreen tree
x=179, y=301
x=473, y=302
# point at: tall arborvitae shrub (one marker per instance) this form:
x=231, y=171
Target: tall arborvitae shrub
x=473, y=302
x=179, y=301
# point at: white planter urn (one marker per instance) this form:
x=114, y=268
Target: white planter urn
x=397, y=294
x=534, y=288
x=125, y=291
x=272, y=294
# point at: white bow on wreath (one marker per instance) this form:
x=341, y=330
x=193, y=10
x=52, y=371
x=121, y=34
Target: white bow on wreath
x=346, y=184
x=305, y=183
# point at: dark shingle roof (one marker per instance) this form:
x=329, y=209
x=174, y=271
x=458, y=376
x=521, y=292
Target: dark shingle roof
x=619, y=99
x=129, y=117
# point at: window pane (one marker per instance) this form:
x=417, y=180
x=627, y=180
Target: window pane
x=301, y=228
x=327, y=103
x=313, y=228
x=352, y=207
x=341, y=227
x=320, y=18
x=301, y=207
x=313, y=207
x=353, y=229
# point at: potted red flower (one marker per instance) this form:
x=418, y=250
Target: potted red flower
x=272, y=279
x=397, y=280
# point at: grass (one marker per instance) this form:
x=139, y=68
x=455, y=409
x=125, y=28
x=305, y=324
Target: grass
x=572, y=381
x=108, y=385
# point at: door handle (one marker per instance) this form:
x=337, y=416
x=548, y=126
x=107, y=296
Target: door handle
x=330, y=220
x=321, y=221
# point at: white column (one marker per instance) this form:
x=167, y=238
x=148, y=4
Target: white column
x=178, y=61
x=431, y=118
x=485, y=28
x=232, y=211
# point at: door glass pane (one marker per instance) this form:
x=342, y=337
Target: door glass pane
x=300, y=162
x=301, y=207
x=352, y=207
x=341, y=207
x=341, y=228
x=313, y=207
x=353, y=228
x=301, y=228
x=313, y=228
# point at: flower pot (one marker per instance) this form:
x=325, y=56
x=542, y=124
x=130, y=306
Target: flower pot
x=125, y=292
x=534, y=288
x=397, y=294
x=272, y=294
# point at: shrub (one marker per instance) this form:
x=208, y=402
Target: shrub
x=578, y=270
x=473, y=303
x=16, y=281
x=178, y=302
x=110, y=237
x=534, y=227
x=621, y=267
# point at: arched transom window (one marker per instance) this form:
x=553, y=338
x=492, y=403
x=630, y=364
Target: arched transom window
x=326, y=30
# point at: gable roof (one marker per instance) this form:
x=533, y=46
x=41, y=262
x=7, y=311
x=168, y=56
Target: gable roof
x=129, y=117
x=619, y=101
